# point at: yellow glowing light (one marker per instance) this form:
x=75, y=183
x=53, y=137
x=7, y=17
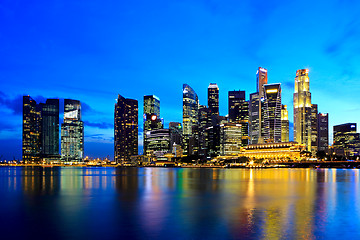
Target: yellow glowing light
x=272, y=91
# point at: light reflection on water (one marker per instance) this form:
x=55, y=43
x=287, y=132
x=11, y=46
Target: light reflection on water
x=137, y=203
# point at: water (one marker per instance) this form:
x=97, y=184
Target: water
x=161, y=203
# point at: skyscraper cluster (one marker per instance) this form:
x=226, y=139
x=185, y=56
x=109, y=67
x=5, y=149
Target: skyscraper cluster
x=262, y=119
x=40, y=134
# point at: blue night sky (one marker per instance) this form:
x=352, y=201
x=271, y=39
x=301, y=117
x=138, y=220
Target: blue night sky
x=94, y=50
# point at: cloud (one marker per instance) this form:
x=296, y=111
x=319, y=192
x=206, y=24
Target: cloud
x=101, y=125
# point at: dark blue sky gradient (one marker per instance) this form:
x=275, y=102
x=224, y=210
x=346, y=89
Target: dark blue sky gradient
x=93, y=50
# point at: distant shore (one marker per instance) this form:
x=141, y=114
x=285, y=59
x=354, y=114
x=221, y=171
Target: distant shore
x=303, y=164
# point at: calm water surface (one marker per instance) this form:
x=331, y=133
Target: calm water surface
x=160, y=203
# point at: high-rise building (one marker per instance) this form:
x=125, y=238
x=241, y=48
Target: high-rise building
x=50, y=129
x=31, y=131
x=239, y=113
x=175, y=134
x=190, y=117
x=254, y=130
x=256, y=108
x=125, y=129
x=72, y=132
x=204, y=123
x=213, y=99
x=346, y=140
x=314, y=129
x=158, y=142
x=284, y=124
x=230, y=138
x=302, y=109
x=261, y=80
x=152, y=119
x=272, y=112
x=323, y=132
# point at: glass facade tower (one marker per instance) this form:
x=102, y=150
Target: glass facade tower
x=125, y=129
x=272, y=112
x=213, y=99
x=72, y=132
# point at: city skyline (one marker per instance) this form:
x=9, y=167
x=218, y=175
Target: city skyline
x=72, y=69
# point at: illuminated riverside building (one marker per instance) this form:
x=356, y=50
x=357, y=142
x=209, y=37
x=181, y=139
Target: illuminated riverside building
x=125, y=129
x=213, y=99
x=302, y=109
x=230, y=138
x=50, y=129
x=323, y=132
x=239, y=113
x=152, y=119
x=314, y=129
x=204, y=123
x=284, y=124
x=175, y=129
x=346, y=140
x=190, y=118
x=256, y=108
x=272, y=112
x=31, y=131
x=274, y=151
x=72, y=132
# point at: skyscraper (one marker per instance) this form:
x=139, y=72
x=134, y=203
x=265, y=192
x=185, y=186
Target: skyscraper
x=213, y=99
x=256, y=107
x=239, y=113
x=346, y=140
x=152, y=119
x=50, y=129
x=314, y=129
x=125, y=129
x=190, y=117
x=31, y=131
x=302, y=109
x=284, y=124
x=72, y=132
x=272, y=112
x=323, y=132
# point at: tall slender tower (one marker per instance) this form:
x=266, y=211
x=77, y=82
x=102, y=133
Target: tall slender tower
x=284, y=124
x=31, y=131
x=125, y=129
x=256, y=107
x=190, y=117
x=302, y=109
x=272, y=112
x=314, y=129
x=213, y=99
x=50, y=129
x=72, y=132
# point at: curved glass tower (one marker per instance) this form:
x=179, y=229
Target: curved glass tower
x=190, y=117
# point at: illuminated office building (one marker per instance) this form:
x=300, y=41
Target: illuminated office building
x=256, y=108
x=158, y=142
x=152, y=119
x=190, y=118
x=239, y=113
x=272, y=112
x=302, y=109
x=213, y=99
x=50, y=129
x=204, y=123
x=284, y=124
x=346, y=140
x=31, y=131
x=314, y=129
x=125, y=129
x=230, y=138
x=72, y=132
x=323, y=132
